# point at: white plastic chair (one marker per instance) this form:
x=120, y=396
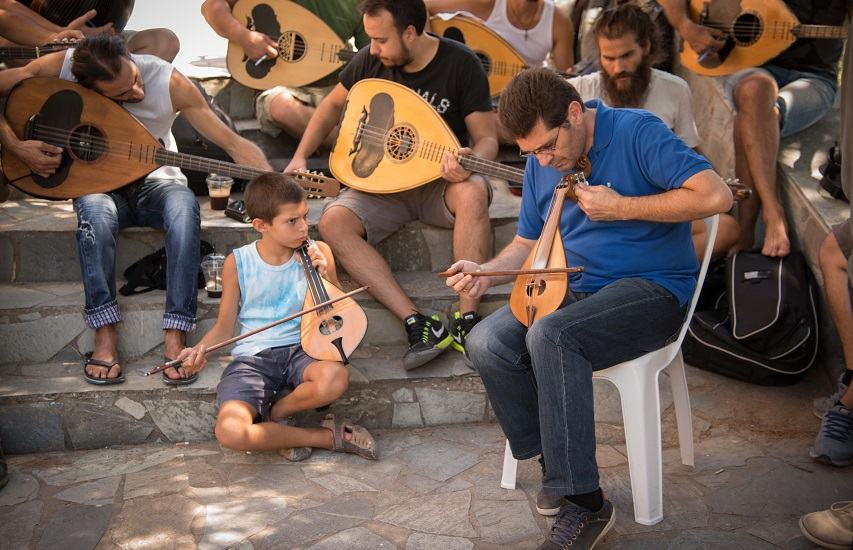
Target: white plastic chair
x=637, y=382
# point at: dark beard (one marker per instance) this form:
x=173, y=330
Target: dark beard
x=634, y=94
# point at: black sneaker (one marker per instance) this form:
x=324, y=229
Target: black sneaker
x=579, y=528
x=462, y=325
x=548, y=505
x=427, y=339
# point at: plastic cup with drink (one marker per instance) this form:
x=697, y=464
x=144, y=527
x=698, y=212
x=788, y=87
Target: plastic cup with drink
x=219, y=189
x=211, y=266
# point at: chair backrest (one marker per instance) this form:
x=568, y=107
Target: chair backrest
x=711, y=223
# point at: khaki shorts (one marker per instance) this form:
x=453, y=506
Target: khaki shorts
x=309, y=95
x=382, y=215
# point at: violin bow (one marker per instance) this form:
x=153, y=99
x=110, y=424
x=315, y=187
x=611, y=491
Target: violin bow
x=214, y=347
x=543, y=271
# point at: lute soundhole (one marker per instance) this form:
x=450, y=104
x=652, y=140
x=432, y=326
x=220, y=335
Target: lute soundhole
x=400, y=142
x=331, y=325
x=291, y=46
x=87, y=143
x=747, y=29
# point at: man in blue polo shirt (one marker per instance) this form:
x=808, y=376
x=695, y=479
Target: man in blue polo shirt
x=630, y=230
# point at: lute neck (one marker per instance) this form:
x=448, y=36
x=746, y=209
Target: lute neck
x=164, y=157
x=491, y=168
x=31, y=52
x=819, y=31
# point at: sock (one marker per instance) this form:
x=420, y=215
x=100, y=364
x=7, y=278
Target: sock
x=591, y=501
x=847, y=377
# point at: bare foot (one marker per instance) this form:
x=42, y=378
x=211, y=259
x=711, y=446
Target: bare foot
x=776, y=243
x=174, y=342
x=106, y=350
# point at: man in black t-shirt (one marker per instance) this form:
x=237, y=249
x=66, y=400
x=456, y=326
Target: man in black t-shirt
x=785, y=95
x=451, y=79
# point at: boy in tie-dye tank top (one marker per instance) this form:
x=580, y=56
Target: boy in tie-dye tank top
x=264, y=281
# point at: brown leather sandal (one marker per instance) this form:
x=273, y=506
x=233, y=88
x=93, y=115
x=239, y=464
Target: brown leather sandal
x=87, y=360
x=360, y=442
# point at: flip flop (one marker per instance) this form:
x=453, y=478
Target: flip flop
x=177, y=381
x=341, y=425
x=87, y=360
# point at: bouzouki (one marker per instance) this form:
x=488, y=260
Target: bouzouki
x=391, y=140
x=499, y=59
x=308, y=49
x=755, y=31
x=104, y=146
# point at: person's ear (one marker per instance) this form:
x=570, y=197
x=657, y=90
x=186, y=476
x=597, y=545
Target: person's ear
x=259, y=225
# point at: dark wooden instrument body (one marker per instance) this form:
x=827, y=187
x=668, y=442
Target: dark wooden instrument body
x=62, y=12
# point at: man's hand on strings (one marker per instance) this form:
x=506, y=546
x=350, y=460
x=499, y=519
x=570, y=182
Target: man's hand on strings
x=256, y=45
x=451, y=170
x=42, y=158
x=599, y=202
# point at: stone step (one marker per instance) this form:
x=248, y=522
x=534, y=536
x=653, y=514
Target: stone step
x=51, y=313
x=38, y=243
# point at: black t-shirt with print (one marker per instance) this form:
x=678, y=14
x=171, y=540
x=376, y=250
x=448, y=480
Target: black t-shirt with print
x=454, y=82
x=815, y=55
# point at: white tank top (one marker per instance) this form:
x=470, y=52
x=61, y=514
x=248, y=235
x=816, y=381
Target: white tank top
x=536, y=47
x=267, y=293
x=155, y=111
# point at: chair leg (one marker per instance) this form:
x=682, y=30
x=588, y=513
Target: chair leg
x=683, y=415
x=510, y=469
x=641, y=416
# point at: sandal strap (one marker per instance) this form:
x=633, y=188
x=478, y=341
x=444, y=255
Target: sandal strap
x=99, y=363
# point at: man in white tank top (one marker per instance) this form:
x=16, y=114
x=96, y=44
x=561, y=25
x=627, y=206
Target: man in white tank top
x=154, y=92
x=535, y=28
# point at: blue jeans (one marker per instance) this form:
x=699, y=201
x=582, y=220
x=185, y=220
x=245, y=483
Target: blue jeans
x=804, y=98
x=539, y=380
x=161, y=204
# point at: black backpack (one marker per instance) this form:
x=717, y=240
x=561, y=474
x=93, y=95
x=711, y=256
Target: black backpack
x=149, y=272
x=762, y=326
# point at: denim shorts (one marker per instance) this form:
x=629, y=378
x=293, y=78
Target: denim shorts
x=803, y=97
x=258, y=379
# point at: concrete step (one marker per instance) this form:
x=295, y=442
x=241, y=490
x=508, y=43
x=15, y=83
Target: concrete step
x=51, y=313
x=38, y=244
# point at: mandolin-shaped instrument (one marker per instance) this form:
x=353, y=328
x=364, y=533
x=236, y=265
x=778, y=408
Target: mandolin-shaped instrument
x=391, y=140
x=104, y=146
x=308, y=49
x=499, y=59
x=755, y=31
x=333, y=332
x=541, y=286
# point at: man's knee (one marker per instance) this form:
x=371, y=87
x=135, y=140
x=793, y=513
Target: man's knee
x=337, y=222
x=468, y=198
x=97, y=215
x=755, y=90
x=182, y=206
x=281, y=106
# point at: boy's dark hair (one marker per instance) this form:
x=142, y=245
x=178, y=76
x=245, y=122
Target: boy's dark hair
x=533, y=94
x=404, y=12
x=98, y=58
x=626, y=17
x=267, y=192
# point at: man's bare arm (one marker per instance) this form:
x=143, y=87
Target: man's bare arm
x=699, y=37
x=189, y=101
x=480, y=8
x=563, y=52
x=325, y=118
x=218, y=15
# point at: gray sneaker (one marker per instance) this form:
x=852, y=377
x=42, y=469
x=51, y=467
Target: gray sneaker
x=834, y=444
x=427, y=339
x=579, y=528
x=823, y=404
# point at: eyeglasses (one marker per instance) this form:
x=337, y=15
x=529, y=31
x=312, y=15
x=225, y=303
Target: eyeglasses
x=548, y=148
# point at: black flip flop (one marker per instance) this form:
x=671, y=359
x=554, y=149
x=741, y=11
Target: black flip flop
x=87, y=360
x=177, y=381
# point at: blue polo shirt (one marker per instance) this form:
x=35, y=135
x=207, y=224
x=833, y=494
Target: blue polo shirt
x=635, y=154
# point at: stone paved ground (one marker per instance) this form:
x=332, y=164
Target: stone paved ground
x=434, y=488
